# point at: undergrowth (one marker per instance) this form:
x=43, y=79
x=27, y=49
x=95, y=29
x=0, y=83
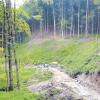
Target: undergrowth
x=73, y=55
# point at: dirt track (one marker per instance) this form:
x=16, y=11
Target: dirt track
x=68, y=88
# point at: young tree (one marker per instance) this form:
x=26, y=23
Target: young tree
x=13, y=43
x=9, y=21
x=72, y=18
x=54, y=20
x=87, y=8
x=62, y=18
x=78, y=18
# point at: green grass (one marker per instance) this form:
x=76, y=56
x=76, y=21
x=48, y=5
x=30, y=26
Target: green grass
x=18, y=95
x=74, y=56
x=25, y=75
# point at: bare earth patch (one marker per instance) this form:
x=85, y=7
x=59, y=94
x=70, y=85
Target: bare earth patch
x=63, y=87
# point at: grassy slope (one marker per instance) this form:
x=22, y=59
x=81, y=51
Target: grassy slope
x=73, y=55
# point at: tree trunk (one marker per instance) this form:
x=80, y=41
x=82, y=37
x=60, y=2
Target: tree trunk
x=62, y=19
x=93, y=25
x=54, y=22
x=47, y=23
x=14, y=50
x=10, y=66
x=41, y=31
x=71, y=30
x=79, y=19
x=9, y=41
x=5, y=45
x=86, y=28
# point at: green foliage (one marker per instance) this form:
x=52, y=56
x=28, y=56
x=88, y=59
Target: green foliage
x=61, y=12
x=48, y=1
x=37, y=17
x=22, y=26
x=20, y=12
x=18, y=95
x=97, y=2
x=1, y=12
x=31, y=7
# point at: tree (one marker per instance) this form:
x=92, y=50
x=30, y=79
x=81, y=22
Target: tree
x=54, y=19
x=87, y=8
x=1, y=12
x=9, y=33
x=63, y=16
x=72, y=18
x=9, y=43
x=78, y=18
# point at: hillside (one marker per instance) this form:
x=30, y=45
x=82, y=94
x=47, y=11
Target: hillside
x=75, y=56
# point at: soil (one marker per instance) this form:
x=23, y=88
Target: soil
x=63, y=87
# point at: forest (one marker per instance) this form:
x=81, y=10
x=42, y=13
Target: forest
x=67, y=18
x=50, y=49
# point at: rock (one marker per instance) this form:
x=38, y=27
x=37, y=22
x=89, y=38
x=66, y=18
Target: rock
x=46, y=65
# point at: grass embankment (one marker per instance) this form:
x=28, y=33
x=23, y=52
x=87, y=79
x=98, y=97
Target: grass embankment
x=76, y=56
x=25, y=75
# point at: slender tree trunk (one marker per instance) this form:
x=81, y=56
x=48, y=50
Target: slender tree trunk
x=45, y=26
x=5, y=45
x=14, y=50
x=66, y=31
x=62, y=19
x=97, y=40
x=93, y=25
x=54, y=22
x=98, y=21
x=71, y=30
x=32, y=28
x=47, y=23
x=10, y=65
x=81, y=29
x=41, y=31
x=87, y=8
x=79, y=19
x=9, y=17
